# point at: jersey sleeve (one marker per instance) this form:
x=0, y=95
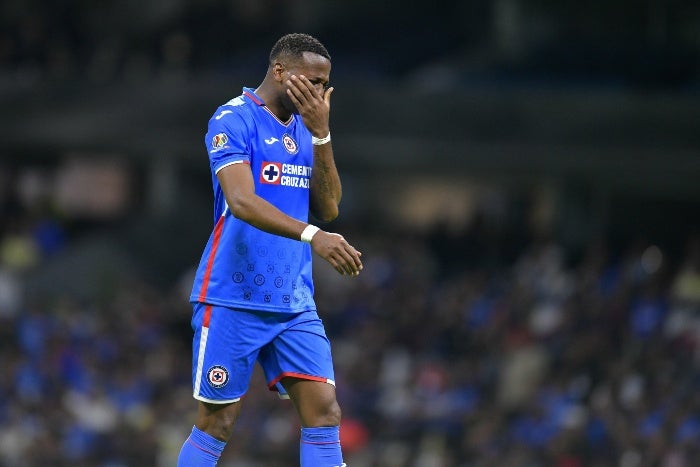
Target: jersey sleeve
x=227, y=139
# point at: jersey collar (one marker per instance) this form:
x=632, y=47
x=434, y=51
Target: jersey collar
x=250, y=94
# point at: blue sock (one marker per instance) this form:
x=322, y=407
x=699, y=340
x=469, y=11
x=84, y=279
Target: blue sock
x=200, y=450
x=320, y=447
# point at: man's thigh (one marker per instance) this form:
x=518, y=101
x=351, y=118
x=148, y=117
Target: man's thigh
x=301, y=351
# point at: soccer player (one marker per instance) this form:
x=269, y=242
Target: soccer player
x=272, y=163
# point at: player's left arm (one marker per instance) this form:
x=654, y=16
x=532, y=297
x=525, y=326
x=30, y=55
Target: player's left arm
x=325, y=185
x=314, y=107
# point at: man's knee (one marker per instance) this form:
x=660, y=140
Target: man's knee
x=322, y=413
x=217, y=420
x=331, y=415
x=315, y=402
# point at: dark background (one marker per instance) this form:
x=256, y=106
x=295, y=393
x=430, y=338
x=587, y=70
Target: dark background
x=521, y=176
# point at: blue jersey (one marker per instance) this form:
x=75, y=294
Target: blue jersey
x=242, y=266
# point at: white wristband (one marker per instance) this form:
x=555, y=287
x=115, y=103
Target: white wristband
x=319, y=141
x=308, y=233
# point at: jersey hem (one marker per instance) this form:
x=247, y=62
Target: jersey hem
x=212, y=401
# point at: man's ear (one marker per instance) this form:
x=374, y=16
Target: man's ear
x=278, y=71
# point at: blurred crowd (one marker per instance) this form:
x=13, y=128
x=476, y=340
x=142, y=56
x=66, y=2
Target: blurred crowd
x=107, y=41
x=451, y=349
x=133, y=41
x=530, y=40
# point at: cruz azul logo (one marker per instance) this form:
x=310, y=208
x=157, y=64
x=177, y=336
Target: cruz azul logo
x=217, y=376
x=292, y=175
x=289, y=144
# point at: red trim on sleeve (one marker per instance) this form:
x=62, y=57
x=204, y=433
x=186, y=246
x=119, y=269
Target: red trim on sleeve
x=210, y=261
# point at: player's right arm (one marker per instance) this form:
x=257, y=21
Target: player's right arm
x=237, y=183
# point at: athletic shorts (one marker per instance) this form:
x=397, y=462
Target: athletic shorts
x=227, y=343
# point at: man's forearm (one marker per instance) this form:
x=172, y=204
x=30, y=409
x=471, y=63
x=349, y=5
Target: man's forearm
x=326, y=189
x=259, y=213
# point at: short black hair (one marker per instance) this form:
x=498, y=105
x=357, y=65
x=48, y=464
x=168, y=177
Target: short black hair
x=294, y=45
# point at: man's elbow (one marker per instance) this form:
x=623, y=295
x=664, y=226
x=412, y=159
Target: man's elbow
x=327, y=214
x=240, y=209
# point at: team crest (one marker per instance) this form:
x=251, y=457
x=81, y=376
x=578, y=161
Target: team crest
x=217, y=376
x=271, y=173
x=289, y=144
x=219, y=141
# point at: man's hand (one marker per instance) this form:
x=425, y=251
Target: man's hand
x=313, y=103
x=339, y=253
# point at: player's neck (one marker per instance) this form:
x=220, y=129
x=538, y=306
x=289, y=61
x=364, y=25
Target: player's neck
x=279, y=112
x=272, y=102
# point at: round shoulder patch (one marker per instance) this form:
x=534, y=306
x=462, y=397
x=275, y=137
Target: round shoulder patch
x=219, y=141
x=217, y=376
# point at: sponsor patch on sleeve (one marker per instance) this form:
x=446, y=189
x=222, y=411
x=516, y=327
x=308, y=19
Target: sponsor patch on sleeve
x=219, y=142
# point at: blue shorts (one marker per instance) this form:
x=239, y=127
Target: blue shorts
x=227, y=343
